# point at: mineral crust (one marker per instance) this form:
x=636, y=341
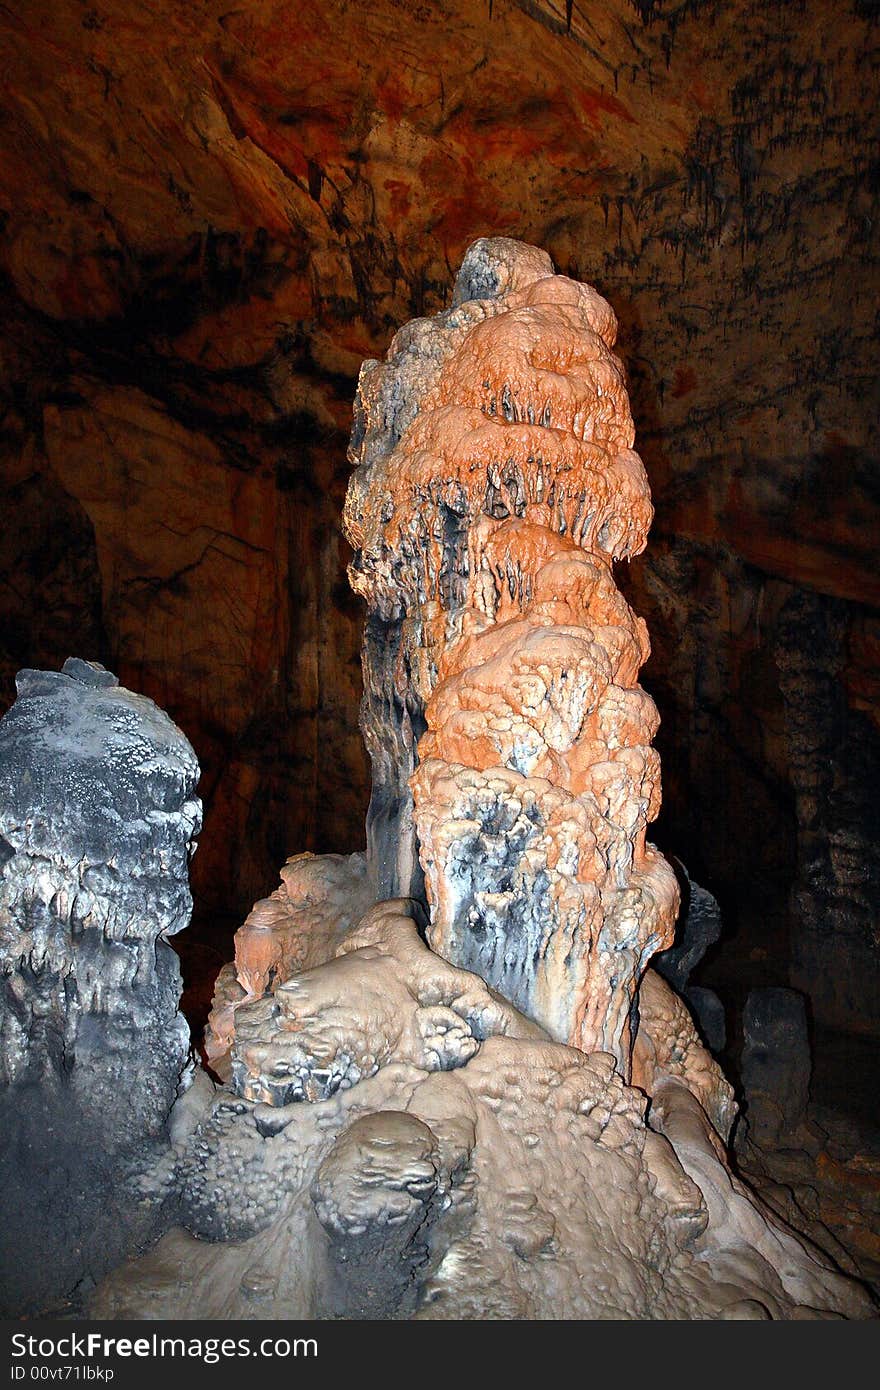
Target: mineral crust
x=98, y=819
x=495, y=485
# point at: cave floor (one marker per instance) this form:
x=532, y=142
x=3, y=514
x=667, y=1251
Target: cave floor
x=832, y=1169
x=827, y=1184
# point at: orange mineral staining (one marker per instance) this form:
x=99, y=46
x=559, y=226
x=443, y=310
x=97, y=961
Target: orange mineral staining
x=495, y=485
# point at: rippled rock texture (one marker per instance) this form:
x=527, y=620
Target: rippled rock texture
x=320, y=899
x=401, y=1142
x=211, y=216
x=495, y=485
x=402, y=1129
x=98, y=818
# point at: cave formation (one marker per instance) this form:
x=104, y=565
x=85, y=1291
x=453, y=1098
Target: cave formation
x=210, y=219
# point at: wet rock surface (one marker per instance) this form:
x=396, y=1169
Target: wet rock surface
x=495, y=484
x=98, y=819
x=505, y=1176
x=211, y=218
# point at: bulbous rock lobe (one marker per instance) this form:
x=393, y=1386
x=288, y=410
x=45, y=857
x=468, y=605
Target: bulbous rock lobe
x=495, y=484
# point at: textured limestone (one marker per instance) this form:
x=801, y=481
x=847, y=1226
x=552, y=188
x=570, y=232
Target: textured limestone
x=495, y=484
x=833, y=762
x=829, y=1188
x=319, y=900
x=667, y=1046
x=475, y=1170
x=211, y=217
x=698, y=928
x=378, y=1193
x=418, y=1007
x=98, y=819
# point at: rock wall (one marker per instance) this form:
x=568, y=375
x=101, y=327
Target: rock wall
x=210, y=218
x=98, y=819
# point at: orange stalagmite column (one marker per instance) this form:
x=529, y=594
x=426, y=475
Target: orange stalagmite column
x=495, y=484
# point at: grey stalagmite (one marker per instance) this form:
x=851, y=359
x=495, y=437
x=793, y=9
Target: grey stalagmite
x=98, y=817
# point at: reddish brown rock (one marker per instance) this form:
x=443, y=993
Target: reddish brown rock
x=224, y=212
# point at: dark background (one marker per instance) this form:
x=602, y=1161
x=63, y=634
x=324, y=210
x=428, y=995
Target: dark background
x=211, y=215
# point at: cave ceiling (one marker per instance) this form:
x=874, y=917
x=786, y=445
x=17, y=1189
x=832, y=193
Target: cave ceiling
x=212, y=215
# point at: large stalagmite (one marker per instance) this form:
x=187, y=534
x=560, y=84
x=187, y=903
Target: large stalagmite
x=495, y=485
x=514, y=1119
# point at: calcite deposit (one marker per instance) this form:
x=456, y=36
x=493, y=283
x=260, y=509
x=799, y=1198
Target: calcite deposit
x=213, y=213
x=446, y=1082
x=98, y=819
x=401, y=1142
x=319, y=900
x=495, y=486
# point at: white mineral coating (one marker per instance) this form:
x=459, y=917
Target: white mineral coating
x=98, y=818
x=504, y=1176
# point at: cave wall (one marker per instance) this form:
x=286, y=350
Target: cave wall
x=211, y=216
